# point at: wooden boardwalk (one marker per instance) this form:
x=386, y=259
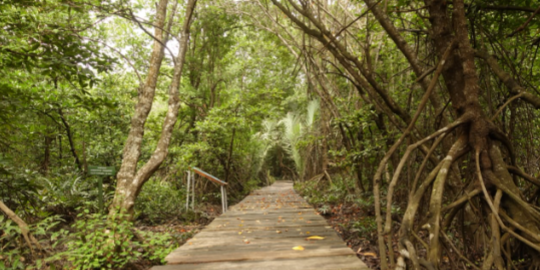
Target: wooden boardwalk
x=269, y=229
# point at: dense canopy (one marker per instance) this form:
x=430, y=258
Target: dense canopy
x=423, y=114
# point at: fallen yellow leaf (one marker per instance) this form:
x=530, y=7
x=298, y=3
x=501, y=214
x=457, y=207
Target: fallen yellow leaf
x=315, y=237
x=298, y=248
x=278, y=231
x=372, y=254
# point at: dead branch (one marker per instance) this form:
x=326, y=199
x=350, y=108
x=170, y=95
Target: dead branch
x=522, y=27
x=25, y=231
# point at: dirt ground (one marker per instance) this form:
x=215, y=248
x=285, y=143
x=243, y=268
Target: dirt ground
x=342, y=217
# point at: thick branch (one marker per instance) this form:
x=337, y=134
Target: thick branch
x=517, y=171
x=510, y=83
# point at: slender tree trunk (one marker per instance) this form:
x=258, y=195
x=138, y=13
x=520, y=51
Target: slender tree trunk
x=131, y=180
x=60, y=147
x=46, y=156
x=360, y=164
x=85, y=161
x=70, y=138
x=229, y=156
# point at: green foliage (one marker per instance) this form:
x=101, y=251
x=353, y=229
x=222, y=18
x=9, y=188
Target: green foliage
x=91, y=242
x=41, y=36
x=67, y=191
x=365, y=201
x=18, y=187
x=296, y=133
x=95, y=242
x=318, y=194
x=160, y=201
x=292, y=134
x=12, y=249
x=364, y=226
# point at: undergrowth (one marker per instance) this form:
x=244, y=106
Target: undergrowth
x=93, y=241
x=332, y=199
x=350, y=214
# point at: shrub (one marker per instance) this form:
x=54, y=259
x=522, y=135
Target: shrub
x=91, y=242
x=364, y=226
x=316, y=193
x=159, y=201
x=12, y=249
x=98, y=242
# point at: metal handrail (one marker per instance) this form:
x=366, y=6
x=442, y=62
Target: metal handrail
x=191, y=181
x=208, y=176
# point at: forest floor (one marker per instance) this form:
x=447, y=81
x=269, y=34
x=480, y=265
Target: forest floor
x=180, y=229
x=352, y=223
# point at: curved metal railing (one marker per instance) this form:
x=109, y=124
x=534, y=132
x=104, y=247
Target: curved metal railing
x=191, y=184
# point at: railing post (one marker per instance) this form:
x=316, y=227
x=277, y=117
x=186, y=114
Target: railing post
x=191, y=187
x=226, y=199
x=187, y=190
x=222, y=200
x=193, y=191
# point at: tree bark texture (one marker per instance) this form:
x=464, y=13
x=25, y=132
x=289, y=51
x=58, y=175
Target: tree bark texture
x=131, y=180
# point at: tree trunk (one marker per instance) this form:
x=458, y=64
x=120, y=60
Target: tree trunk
x=70, y=138
x=46, y=156
x=131, y=180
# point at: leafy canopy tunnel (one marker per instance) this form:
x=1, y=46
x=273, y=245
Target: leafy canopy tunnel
x=429, y=106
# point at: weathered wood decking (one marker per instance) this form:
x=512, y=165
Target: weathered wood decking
x=260, y=233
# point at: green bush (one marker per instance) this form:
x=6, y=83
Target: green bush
x=364, y=226
x=316, y=193
x=12, y=249
x=63, y=191
x=159, y=201
x=95, y=242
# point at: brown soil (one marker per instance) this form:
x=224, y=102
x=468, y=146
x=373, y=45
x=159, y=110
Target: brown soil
x=342, y=217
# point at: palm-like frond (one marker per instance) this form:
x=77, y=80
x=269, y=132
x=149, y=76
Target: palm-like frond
x=312, y=109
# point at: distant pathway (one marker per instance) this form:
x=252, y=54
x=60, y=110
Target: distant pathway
x=269, y=229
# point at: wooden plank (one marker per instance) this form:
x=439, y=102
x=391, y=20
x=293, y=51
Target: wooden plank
x=287, y=233
x=323, y=263
x=246, y=241
x=254, y=244
x=175, y=258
